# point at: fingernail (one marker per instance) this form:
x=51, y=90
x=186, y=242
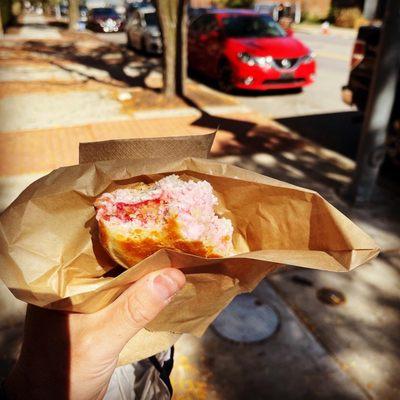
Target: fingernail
x=167, y=283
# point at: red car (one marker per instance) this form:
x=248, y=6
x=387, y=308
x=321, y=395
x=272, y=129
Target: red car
x=248, y=50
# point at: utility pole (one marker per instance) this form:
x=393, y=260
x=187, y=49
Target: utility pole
x=372, y=146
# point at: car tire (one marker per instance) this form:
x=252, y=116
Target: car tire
x=225, y=75
x=143, y=47
x=128, y=41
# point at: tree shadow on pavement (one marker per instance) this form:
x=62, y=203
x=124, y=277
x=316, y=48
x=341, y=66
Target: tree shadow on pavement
x=338, y=131
x=102, y=62
x=362, y=332
x=272, y=149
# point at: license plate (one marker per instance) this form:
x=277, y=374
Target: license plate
x=287, y=75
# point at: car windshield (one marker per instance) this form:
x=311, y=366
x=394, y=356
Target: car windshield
x=151, y=19
x=252, y=26
x=104, y=12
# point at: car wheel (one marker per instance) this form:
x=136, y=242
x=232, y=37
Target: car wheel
x=128, y=41
x=143, y=48
x=225, y=77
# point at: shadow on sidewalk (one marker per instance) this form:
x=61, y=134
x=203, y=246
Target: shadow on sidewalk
x=273, y=149
x=337, y=131
x=124, y=68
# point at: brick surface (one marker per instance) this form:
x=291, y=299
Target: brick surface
x=43, y=150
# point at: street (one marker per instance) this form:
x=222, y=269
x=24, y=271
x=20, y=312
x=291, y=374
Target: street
x=334, y=124
x=323, y=96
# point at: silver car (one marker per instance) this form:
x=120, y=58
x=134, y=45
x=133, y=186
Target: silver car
x=143, y=31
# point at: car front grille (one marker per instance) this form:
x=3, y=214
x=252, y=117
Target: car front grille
x=279, y=81
x=286, y=63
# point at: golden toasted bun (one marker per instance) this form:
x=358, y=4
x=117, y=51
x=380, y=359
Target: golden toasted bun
x=127, y=250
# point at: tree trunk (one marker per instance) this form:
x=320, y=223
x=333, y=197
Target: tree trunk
x=1, y=24
x=73, y=14
x=173, y=21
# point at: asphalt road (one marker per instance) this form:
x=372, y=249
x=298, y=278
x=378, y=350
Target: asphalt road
x=318, y=112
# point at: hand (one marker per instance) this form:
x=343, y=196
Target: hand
x=72, y=356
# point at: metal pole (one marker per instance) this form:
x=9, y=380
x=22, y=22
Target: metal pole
x=370, y=8
x=371, y=150
x=297, y=12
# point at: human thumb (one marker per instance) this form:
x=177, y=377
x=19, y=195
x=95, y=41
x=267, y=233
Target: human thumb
x=139, y=305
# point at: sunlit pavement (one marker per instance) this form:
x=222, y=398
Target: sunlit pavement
x=116, y=37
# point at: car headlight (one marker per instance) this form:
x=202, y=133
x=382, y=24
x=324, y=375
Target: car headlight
x=253, y=60
x=264, y=61
x=246, y=58
x=309, y=57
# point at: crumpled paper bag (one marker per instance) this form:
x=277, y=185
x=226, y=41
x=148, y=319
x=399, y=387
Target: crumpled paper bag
x=50, y=254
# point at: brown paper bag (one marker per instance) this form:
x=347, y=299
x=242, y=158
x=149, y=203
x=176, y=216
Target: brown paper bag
x=147, y=343
x=50, y=255
x=145, y=148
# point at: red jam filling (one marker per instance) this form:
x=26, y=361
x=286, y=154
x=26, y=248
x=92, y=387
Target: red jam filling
x=142, y=211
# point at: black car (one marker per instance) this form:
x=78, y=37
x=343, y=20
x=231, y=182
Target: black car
x=356, y=92
x=104, y=19
x=194, y=13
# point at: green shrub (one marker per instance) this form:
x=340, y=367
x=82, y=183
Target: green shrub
x=311, y=18
x=236, y=3
x=349, y=17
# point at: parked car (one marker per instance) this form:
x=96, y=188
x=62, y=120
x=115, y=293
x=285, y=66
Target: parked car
x=365, y=52
x=248, y=50
x=132, y=7
x=143, y=31
x=64, y=10
x=83, y=13
x=195, y=12
x=104, y=19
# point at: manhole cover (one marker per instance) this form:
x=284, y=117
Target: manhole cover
x=247, y=320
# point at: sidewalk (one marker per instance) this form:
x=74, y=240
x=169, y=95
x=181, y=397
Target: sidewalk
x=349, y=351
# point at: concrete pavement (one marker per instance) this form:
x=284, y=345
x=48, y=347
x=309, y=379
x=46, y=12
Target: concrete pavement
x=320, y=352
x=289, y=365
